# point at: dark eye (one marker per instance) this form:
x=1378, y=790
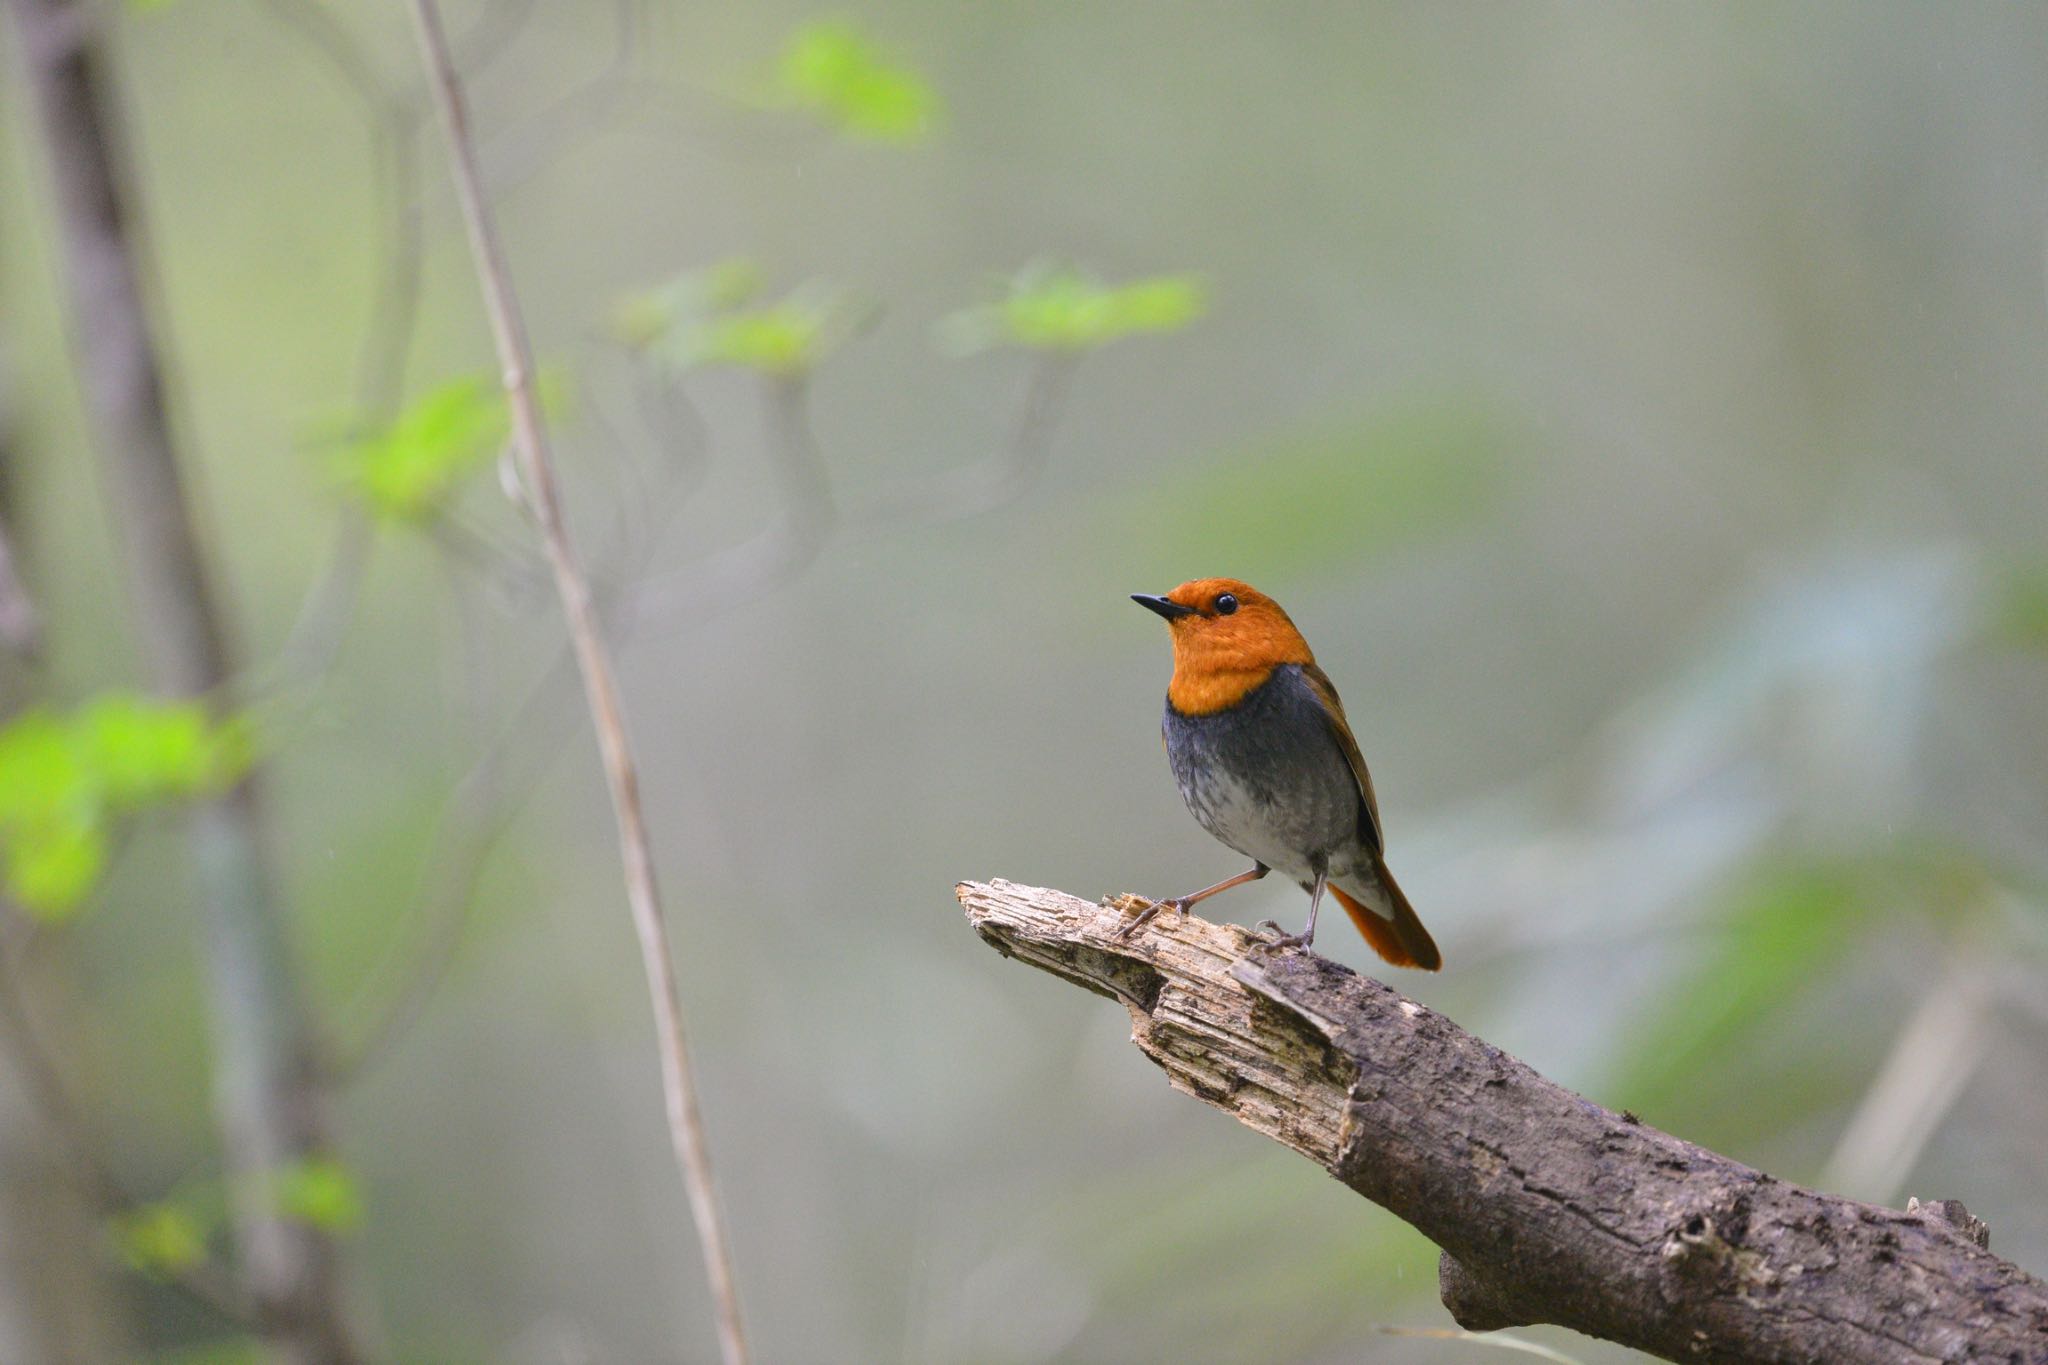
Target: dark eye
x=1225, y=604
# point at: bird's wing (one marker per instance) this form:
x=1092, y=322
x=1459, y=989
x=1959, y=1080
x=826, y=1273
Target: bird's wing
x=1340, y=729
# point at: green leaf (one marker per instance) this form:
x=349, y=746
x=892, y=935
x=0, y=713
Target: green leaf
x=40, y=769
x=831, y=69
x=53, y=863
x=700, y=318
x=408, y=471
x=1049, y=308
x=322, y=1192
x=141, y=751
x=50, y=815
x=653, y=319
x=781, y=340
x=63, y=779
x=160, y=1240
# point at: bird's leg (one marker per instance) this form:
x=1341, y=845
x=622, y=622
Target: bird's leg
x=1183, y=903
x=1308, y=935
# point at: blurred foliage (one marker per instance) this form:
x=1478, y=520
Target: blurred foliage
x=783, y=339
x=320, y=1191
x=65, y=777
x=2019, y=608
x=167, y=1236
x=1333, y=493
x=1778, y=935
x=232, y=1351
x=1059, y=308
x=713, y=317
x=833, y=70
x=652, y=318
x=1789, y=929
x=160, y=1239
x=408, y=471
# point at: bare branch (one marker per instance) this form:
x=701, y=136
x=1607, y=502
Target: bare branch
x=204, y=1282
x=529, y=436
x=469, y=829
x=1548, y=1208
x=270, y=1110
x=499, y=782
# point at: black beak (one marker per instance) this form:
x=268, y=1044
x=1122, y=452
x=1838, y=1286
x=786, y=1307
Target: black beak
x=1165, y=606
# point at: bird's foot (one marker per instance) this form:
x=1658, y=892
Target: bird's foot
x=1281, y=939
x=1146, y=915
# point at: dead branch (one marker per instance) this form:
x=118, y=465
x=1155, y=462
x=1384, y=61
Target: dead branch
x=594, y=663
x=1548, y=1207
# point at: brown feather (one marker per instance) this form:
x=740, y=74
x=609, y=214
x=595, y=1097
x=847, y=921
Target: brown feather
x=1401, y=940
x=1370, y=828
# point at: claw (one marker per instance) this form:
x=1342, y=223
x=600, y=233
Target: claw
x=1281, y=939
x=1145, y=916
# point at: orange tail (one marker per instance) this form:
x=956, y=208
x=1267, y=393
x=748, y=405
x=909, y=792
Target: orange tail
x=1402, y=940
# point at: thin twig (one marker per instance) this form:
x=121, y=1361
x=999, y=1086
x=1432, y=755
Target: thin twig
x=485, y=801
x=393, y=119
x=43, y=1083
x=204, y=1281
x=686, y=1129
x=489, y=796
x=329, y=607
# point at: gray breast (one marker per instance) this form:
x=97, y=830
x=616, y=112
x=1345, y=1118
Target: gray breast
x=1269, y=779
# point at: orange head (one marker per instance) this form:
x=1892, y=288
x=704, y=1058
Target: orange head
x=1228, y=637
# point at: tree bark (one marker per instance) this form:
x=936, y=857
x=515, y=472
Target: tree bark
x=1548, y=1207
x=269, y=1108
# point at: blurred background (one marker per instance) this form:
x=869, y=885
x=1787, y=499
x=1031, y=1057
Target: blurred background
x=1641, y=411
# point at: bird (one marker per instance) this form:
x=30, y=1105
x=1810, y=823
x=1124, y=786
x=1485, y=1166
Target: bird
x=1266, y=762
